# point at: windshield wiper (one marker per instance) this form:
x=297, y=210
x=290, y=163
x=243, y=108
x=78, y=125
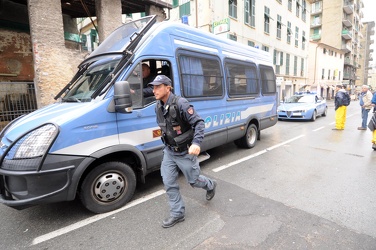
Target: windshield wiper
x=71, y=99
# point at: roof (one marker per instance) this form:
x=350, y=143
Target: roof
x=86, y=8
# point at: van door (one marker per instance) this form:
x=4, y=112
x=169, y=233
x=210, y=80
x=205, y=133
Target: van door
x=139, y=129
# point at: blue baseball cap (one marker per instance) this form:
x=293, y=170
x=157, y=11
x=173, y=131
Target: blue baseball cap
x=161, y=79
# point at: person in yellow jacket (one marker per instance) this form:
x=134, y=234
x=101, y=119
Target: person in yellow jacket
x=341, y=101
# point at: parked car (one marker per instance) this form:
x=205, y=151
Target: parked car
x=302, y=107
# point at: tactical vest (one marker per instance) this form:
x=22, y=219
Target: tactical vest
x=176, y=132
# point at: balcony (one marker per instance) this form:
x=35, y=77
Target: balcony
x=316, y=23
x=348, y=7
x=346, y=34
x=315, y=37
x=346, y=20
x=348, y=61
x=346, y=47
x=315, y=11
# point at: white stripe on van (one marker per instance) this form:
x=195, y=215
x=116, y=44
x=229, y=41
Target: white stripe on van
x=131, y=138
x=256, y=110
x=192, y=45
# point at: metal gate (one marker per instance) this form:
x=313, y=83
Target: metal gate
x=16, y=99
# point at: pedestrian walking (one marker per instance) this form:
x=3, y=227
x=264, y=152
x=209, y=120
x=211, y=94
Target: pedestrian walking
x=365, y=102
x=341, y=101
x=182, y=133
x=372, y=123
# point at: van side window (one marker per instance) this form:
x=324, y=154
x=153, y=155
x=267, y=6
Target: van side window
x=200, y=75
x=142, y=74
x=242, y=79
x=267, y=80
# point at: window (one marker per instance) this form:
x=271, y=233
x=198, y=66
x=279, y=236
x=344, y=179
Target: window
x=297, y=8
x=278, y=61
x=281, y=58
x=251, y=43
x=323, y=74
x=289, y=5
x=287, y=64
x=279, y=26
x=303, y=40
x=295, y=65
x=277, y=69
x=289, y=32
x=267, y=80
x=302, y=67
x=266, y=19
x=185, y=9
x=304, y=10
x=250, y=12
x=139, y=85
x=296, y=37
x=232, y=37
x=175, y=3
x=265, y=48
x=241, y=78
x=232, y=8
x=328, y=74
x=201, y=75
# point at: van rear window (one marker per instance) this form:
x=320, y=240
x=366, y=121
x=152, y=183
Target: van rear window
x=268, y=80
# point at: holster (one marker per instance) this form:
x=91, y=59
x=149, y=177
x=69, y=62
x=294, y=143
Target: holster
x=184, y=140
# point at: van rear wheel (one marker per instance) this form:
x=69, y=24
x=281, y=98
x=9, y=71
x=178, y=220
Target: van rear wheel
x=250, y=137
x=107, y=187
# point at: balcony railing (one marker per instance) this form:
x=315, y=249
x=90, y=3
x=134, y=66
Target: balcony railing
x=348, y=7
x=346, y=34
x=315, y=37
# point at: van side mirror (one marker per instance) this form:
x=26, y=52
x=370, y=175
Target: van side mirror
x=122, y=97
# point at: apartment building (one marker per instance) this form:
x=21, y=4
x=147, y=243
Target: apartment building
x=280, y=27
x=335, y=33
x=364, y=73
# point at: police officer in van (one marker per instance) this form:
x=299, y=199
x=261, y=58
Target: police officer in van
x=182, y=133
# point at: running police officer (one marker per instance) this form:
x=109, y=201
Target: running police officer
x=182, y=133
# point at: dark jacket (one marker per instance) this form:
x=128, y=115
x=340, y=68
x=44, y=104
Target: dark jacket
x=341, y=98
x=188, y=119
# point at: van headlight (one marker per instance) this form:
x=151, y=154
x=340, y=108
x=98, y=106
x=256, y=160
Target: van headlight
x=35, y=143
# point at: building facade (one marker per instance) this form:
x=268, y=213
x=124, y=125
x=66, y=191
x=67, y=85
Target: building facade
x=336, y=28
x=365, y=70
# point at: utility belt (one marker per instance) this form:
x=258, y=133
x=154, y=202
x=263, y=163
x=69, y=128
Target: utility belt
x=178, y=149
x=182, y=142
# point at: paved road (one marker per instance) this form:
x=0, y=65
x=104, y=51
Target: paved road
x=303, y=186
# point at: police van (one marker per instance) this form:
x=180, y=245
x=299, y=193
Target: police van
x=100, y=137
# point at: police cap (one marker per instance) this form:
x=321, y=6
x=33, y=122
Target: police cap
x=161, y=79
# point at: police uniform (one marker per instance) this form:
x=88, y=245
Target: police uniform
x=178, y=118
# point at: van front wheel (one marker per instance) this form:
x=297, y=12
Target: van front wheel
x=108, y=187
x=250, y=137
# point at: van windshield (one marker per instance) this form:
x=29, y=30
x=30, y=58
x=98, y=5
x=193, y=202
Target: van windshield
x=121, y=37
x=91, y=80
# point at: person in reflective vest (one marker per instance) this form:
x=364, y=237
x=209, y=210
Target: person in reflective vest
x=182, y=133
